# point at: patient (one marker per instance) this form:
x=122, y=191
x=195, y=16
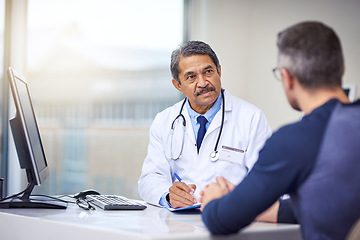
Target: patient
x=315, y=160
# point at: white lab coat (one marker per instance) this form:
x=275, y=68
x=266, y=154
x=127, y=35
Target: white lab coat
x=245, y=128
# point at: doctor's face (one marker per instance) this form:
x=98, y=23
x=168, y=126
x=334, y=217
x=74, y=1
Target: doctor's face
x=199, y=81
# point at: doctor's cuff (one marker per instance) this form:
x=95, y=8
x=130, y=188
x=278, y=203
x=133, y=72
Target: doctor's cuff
x=163, y=200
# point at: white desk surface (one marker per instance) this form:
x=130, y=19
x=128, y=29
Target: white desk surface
x=151, y=223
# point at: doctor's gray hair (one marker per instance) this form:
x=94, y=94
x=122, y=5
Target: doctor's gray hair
x=311, y=51
x=188, y=49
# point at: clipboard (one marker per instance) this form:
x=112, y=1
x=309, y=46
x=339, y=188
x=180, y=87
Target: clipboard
x=196, y=205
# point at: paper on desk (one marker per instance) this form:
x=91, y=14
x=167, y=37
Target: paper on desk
x=196, y=205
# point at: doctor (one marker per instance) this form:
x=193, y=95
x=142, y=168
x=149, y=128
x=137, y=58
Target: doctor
x=227, y=144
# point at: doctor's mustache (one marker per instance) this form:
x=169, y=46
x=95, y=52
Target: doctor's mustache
x=204, y=90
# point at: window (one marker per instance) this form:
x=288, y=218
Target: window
x=98, y=73
x=2, y=29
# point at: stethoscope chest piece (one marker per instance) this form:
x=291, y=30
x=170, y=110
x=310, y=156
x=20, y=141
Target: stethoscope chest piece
x=214, y=156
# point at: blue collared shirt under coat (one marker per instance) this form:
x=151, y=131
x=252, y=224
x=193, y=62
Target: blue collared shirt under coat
x=209, y=115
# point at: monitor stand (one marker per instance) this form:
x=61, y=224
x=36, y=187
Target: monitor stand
x=33, y=202
x=28, y=201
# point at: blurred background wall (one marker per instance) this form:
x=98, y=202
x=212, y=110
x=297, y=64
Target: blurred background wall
x=99, y=74
x=243, y=34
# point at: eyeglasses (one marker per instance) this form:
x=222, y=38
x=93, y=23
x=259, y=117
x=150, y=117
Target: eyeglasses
x=277, y=73
x=84, y=204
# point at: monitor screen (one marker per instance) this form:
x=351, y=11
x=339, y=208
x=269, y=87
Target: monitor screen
x=26, y=116
x=29, y=149
x=350, y=91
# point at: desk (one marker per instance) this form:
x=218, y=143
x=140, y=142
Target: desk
x=151, y=223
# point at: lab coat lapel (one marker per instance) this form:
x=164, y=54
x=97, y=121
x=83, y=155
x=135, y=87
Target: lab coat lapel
x=216, y=123
x=189, y=127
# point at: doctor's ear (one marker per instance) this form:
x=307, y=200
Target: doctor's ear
x=176, y=84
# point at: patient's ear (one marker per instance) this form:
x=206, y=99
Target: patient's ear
x=287, y=79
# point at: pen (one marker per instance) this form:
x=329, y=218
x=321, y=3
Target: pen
x=178, y=177
x=192, y=190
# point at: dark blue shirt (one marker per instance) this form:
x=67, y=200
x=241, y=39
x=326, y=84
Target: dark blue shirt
x=284, y=163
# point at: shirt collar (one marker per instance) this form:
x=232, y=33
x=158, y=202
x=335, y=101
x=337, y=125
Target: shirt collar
x=209, y=115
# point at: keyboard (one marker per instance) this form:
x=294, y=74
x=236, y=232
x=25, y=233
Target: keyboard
x=114, y=202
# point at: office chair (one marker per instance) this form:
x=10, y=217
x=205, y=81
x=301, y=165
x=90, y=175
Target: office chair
x=329, y=199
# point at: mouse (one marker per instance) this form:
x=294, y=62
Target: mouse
x=84, y=193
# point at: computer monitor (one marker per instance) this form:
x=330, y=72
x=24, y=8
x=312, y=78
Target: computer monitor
x=350, y=91
x=29, y=148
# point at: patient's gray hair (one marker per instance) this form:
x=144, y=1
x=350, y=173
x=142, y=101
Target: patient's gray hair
x=312, y=52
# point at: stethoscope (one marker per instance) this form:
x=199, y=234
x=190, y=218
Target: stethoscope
x=214, y=156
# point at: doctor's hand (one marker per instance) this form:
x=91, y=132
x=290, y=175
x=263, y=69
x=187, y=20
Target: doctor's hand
x=215, y=190
x=181, y=195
